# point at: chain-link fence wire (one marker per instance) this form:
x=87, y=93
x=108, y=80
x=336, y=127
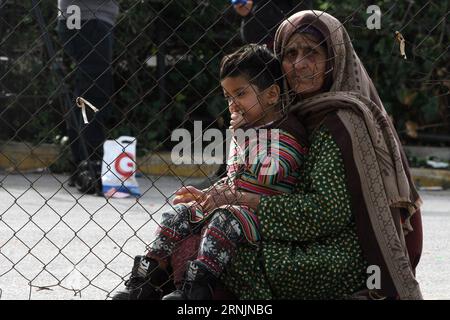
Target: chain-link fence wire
x=165, y=66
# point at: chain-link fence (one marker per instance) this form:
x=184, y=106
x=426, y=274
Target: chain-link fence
x=152, y=67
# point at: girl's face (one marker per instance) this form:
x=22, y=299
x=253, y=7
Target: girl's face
x=304, y=63
x=248, y=100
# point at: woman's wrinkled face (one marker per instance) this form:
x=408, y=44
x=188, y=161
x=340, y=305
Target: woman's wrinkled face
x=304, y=63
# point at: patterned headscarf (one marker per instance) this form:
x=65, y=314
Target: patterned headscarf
x=378, y=155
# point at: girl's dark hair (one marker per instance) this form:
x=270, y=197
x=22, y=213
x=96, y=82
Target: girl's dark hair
x=256, y=62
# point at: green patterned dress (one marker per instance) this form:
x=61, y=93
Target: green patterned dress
x=310, y=248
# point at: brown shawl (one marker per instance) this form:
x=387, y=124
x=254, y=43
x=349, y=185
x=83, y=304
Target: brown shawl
x=374, y=160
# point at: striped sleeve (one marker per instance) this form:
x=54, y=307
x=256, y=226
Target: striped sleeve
x=276, y=161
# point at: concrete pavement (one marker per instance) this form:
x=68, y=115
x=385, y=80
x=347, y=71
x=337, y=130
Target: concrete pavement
x=47, y=228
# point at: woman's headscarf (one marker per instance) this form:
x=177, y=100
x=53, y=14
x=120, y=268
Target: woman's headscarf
x=389, y=196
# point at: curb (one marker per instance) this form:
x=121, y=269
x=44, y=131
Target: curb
x=160, y=164
x=20, y=157
x=424, y=152
x=428, y=178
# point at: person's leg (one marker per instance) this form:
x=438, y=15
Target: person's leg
x=69, y=42
x=219, y=241
x=173, y=228
x=91, y=49
x=218, y=244
x=94, y=80
x=151, y=275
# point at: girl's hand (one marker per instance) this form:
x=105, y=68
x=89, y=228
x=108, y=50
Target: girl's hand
x=188, y=194
x=229, y=196
x=237, y=120
x=216, y=197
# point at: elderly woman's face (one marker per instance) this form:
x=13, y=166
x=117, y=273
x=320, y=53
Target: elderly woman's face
x=304, y=64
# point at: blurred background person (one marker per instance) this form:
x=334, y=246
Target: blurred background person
x=259, y=22
x=260, y=18
x=90, y=46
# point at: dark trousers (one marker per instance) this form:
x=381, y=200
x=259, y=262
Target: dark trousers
x=91, y=50
x=219, y=239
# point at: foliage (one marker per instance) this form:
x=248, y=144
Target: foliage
x=193, y=35
x=414, y=91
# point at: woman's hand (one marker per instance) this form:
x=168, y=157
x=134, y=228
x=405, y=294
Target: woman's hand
x=216, y=197
x=250, y=200
x=244, y=9
x=188, y=194
x=229, y=196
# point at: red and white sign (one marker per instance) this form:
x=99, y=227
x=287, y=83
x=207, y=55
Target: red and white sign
x=125, y=164
x=119, y=167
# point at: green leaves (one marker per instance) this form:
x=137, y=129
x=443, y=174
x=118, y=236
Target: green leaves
x=408, y=88
x=430, y=109
x=149, y=104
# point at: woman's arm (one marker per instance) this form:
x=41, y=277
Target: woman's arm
x=322, y=210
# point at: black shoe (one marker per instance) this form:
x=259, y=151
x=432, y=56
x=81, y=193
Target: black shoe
x=88, y=179
x=73, y=179
x=198, y=284
x=147, y=281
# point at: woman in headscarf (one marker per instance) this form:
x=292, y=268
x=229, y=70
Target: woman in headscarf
x=353, y=228
x=360, y=207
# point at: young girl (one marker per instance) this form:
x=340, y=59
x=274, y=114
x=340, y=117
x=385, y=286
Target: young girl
x=250, y=80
